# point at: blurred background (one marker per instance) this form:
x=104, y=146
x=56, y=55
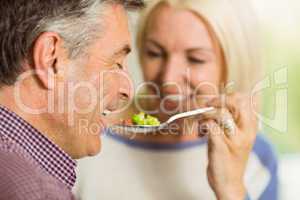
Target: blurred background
x=280, y=25
x=281, y=28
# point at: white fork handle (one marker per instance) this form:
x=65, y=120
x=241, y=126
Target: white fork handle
x=190, y=113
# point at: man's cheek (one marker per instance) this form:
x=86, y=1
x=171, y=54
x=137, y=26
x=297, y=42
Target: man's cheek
x=83, y=96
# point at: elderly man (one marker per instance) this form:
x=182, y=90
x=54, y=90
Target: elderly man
x=62, y=64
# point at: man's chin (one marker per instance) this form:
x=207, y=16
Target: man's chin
x=95, y=148
x=94, y=153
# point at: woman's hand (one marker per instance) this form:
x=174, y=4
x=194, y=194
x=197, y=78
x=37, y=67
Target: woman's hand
x=229, y=144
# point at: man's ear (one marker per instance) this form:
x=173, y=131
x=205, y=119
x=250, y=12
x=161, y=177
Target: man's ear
x=45, y=54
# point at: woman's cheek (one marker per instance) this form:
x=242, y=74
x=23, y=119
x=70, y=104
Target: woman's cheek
x=151, y=70
x=204, y=81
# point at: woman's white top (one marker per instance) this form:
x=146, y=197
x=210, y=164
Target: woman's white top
x=131, y=170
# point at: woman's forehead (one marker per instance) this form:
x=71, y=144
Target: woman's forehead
x=177, y=28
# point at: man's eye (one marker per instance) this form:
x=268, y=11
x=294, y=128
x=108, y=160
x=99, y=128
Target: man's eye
x=120, y=66
x=196, y=60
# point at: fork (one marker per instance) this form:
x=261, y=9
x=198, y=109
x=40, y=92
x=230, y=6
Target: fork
x=150, y=129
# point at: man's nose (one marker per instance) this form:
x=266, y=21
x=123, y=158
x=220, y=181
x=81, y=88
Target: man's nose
x=126, y=87
x=124, y=94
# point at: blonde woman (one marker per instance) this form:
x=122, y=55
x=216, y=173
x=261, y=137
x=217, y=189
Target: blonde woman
x=191, y=51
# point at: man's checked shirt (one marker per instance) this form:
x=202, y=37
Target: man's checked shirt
x=31, y=166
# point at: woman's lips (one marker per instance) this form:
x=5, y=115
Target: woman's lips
x=178, y=102
x=170, y=105
x=173, y=101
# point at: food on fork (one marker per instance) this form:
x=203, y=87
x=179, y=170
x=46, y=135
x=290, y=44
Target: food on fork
x=145, y=119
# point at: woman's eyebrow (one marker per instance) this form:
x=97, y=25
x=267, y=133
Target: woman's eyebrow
x=154, y=43
x=194, y=49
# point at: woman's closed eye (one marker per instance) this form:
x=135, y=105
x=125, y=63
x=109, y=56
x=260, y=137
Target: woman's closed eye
x=154, y=54
x=195, y=61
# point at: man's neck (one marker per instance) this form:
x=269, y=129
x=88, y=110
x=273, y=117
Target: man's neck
x=22, y=105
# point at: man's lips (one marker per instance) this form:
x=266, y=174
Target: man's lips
x=106, y=112
x=103, y=123
x=105, y=117
x=102, y=126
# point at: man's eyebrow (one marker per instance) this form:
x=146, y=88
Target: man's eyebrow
x=125, y=50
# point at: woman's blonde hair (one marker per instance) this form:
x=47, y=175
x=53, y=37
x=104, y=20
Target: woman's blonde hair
x=234, y=25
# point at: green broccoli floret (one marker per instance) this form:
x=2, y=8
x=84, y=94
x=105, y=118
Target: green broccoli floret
x=139, y=119
x=144, y=119
x=152, y=121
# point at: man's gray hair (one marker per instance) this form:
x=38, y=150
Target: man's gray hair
x=22, y=21
x=76, y=28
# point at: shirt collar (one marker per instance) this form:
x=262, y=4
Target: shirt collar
x=47, y=154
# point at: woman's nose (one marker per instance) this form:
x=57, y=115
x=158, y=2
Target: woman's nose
x=173, y=71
